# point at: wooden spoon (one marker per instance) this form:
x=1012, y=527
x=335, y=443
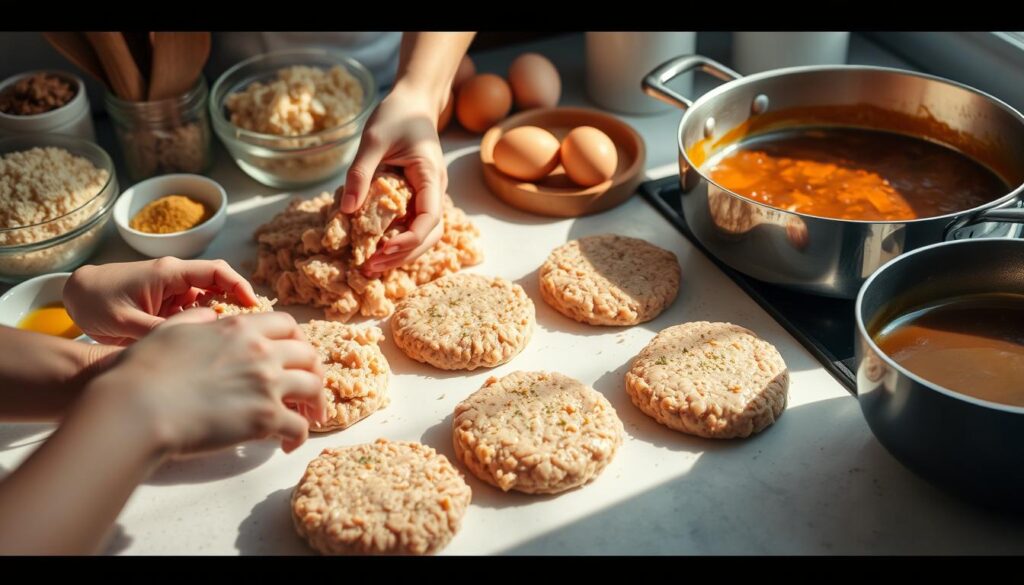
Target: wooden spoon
x=76, y=48
x=142, y=52
x=178, y=60
x=124, y=75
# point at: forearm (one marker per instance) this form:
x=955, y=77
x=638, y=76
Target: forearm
x=428, y=63
x=65, y=497
x=40, y=375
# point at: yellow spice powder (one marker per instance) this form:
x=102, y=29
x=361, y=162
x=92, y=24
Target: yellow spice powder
x=170, y=214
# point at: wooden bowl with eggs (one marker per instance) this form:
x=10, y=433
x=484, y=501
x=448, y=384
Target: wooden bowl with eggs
x=554, y=194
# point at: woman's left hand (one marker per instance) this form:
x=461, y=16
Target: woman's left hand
x=119, y=303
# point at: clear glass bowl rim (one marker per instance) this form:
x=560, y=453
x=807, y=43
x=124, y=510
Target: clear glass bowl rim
x=75, y=146
x=227, y=130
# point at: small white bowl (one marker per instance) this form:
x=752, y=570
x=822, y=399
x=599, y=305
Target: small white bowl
x=73, y=118
x=186, y=244
x=36, y=292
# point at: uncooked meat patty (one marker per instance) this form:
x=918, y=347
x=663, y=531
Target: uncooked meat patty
x=536, y=432
x=715, y=380
x=610, y=280
x=387, y=497
x=463, y=322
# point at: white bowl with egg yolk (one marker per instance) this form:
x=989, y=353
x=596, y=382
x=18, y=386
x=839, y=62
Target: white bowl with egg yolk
x=30, y=295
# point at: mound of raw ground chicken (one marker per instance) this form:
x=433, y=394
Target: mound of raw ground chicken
x=306, y=268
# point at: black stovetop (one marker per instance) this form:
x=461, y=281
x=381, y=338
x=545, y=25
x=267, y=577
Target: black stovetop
x=825, y=326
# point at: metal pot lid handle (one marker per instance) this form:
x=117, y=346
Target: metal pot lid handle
x=654, y=84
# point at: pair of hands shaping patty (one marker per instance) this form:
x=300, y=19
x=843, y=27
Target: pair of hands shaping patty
x=206, y=383
x=171, y=380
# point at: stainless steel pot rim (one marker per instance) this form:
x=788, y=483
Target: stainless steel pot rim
x=862, y=328
x=1013, y=194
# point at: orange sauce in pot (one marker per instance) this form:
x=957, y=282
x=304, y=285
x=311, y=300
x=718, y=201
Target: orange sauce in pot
x=972, y=344
x=855, y=173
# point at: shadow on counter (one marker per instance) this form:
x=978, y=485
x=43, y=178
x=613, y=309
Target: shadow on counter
x=268, y=530
x=851, y=497
x=118, y=541
x=214, y=466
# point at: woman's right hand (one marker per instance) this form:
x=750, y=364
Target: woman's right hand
x=401, y=132
x=205, y=384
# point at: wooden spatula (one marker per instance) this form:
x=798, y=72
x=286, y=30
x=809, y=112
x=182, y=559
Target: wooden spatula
x=76, y=48
x=117, y=61
x=178, y=60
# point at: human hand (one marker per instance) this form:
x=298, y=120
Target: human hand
x=42, y=375
x=205, y=384
x=402, y=132
x=119, y=303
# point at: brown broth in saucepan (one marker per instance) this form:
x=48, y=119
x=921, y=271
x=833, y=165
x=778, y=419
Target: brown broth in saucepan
x=851, y=173
x=972, y=344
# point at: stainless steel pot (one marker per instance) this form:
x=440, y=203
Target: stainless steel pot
x=971, y=446
x=819, y=255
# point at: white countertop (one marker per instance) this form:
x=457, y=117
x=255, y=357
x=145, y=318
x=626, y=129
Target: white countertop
x=817, y=482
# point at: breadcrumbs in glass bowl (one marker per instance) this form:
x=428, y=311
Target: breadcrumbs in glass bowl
x=293, y=118
x=56, y=195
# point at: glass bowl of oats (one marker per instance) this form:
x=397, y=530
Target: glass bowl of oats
x=293, y=118
x=56, y=196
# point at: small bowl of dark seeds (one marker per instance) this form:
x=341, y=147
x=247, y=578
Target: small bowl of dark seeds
x=50, y=102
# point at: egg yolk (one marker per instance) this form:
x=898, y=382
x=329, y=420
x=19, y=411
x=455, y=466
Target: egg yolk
x=51, y=319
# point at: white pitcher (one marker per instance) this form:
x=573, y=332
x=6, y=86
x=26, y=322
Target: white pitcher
x=618, y=61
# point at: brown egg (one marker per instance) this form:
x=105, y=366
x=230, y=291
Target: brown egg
x=446, y=113
x=482, y=102
x=588, y=156
x=527, y=153
x=535, y=82
x=465, y=71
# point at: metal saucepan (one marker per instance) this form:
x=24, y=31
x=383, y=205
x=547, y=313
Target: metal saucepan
x=820, y=255
x=971, y=446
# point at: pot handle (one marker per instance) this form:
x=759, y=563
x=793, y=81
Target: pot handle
x=1003, y=214
x=994, y=214
x=654, y=84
